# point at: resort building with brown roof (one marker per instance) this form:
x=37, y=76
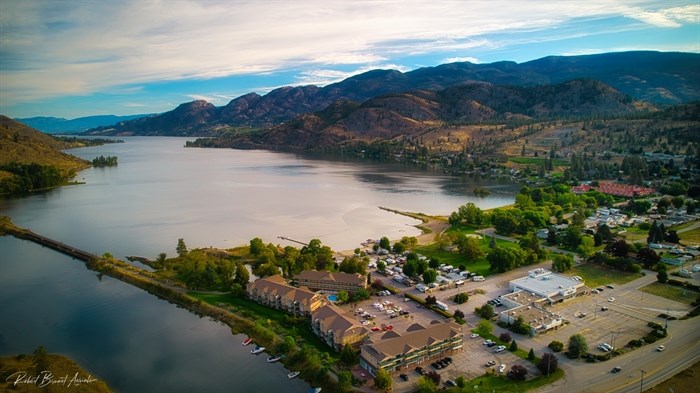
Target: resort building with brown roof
x=275, y=292
x=336, y=327
x=331, y=282
x=393, y=351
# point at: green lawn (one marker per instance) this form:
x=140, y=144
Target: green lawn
x=690, y=237
x=490, y=383
x=480, y=266
x=596, y=275
x=262, y=312
x=671, y=292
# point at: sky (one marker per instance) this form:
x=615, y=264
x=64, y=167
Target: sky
x=74, y=58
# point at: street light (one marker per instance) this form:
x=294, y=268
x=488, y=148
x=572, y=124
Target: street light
x=641, y=382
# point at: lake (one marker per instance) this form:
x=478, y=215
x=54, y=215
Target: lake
x=161, y=192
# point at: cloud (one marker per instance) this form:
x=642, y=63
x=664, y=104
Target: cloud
x=51, y=49
x=461, y=59
x=213, y=98
x=670, y=17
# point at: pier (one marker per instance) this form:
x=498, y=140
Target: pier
x=292, y=240
x=58, y=246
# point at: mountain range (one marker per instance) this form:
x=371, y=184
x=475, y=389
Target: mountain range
x=656, y=77
x=59, y=125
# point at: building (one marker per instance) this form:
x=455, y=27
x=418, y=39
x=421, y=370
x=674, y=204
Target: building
x=551, y=287
x=395, y=352
x=274, y=292
x=331, y=282
x=336, y=327
x=531, y=294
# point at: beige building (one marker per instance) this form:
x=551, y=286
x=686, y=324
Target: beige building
x=420, y=344
x=274, y=292
x=336, y=327
x=331, y=282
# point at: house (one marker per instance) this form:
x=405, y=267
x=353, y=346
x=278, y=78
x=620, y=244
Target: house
x=393, y=351
x=539, y=319
x=331, y=282
x=336, y=327
x=274, y=292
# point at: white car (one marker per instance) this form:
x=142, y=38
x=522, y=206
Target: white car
x=474, y=335
x=502, y=368
x=611, y=299
x=500, y=348
x=487, y=342
x=660, y=348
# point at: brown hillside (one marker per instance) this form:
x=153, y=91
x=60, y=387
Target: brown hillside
x=20, y=143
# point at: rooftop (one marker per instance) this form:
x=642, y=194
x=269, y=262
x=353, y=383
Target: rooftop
x=544, y=282
x=417, y=336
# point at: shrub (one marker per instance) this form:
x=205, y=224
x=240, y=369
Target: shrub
x=635, y=343
x=461, y=298
x=513, y=346
x=518, y=372
x=650, y=338
x=531, y=355
x=505, y=337
x=556, y=346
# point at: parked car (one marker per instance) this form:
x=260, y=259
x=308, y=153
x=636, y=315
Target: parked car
x=500, y=348
x=611, y=299
x=604, y=308
x=450, y=382
x=420, y=370
x=404, y=377
x=488, y=341
x=474, y=335
x=502, y=368
x=490, y=363
x=610, y=286
x=436, y=365
x=616, y=370
x=660, y=348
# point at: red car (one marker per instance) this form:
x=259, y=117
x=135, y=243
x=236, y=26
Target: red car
x=376, y=329
x=388, y=327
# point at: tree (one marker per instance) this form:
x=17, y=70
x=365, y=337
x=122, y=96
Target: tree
x=619, y=248
x=656, y=233
x=556, y=346
x=662, y=276
x=410, y=268
x=461, y=381
x=40, y=359
x=343, y=296
x=383, y=380
x=161, y=260
x=348, y=355
x=266, y=269
x=548, y=364
x=469, y=246
x=430, y=300
x=345, y=380
x=242, y=276
x=256, y=246
x=502, y=259
x=572, y=236
x=587, y=247
x=429, y=276
x=434, y=263
x=399, y=247
x=505, y=337
x=484, y=327
x=426, y=385
x=381, y=266
x=181, y=248
x=518, y=372
x=485, y=311
x=434, y=376
x=513, y=346
x=562, y=262
x=672, y=237
x=648, y=257
x=604, y=232
x=461, y=298
x=531, y=355
x=577, y=346
x=385, y=243
x=458, y=314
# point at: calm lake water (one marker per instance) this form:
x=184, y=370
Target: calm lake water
x=161, y=192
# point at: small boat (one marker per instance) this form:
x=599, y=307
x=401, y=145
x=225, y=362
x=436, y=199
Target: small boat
x=315, y=390
x=257, y=350
x=247, y=341
x=273, y=359
x=293, y=375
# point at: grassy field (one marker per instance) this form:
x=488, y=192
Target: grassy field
x=690, y=237
x=684, y=381
x=597, y=275
x=238, y=303
x=480, y=266
x=491, y=383
x=671, y=292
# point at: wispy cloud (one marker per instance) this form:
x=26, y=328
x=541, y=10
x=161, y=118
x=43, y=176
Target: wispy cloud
x=50, y=49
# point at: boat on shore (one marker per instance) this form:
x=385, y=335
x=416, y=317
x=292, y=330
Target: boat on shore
x=247, y=341
x=293, y=374
x=257, y=350
x=273, y=359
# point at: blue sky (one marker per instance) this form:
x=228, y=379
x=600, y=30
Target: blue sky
x=76, y=58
